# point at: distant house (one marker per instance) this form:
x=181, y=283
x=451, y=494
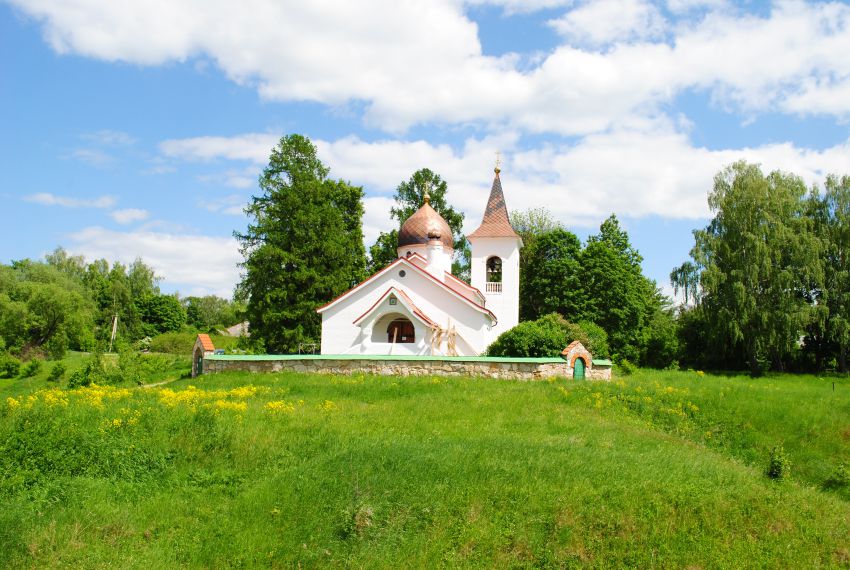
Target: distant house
x=415, y=306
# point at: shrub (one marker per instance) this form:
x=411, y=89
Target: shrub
x=544, y=337
x=92, y=372
x=626, y=367
x=548, y=336
x=840, y=478
x=31, y=368
x=56, y=372
x=9, y=366
x=779, y=465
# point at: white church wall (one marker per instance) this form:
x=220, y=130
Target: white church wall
x=341, y=336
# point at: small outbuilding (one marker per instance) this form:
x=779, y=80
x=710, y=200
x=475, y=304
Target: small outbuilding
x=203, y=347
x=581, y=364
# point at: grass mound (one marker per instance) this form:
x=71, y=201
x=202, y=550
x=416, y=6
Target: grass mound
x=287, y=469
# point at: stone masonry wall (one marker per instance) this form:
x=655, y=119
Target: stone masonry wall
x=504, y=370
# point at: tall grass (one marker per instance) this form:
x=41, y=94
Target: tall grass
x=285, y=470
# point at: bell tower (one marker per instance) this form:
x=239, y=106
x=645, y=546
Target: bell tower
x=495, y=260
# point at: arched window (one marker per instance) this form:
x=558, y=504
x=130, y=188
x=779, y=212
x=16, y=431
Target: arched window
x=401, y=331
x=494, y=275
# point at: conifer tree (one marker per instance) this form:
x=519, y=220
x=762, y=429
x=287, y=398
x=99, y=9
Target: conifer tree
x=303, y=247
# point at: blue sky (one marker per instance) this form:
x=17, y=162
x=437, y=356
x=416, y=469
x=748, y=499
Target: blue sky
x=138, y=129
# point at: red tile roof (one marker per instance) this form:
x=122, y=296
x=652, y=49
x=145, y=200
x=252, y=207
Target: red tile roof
x=206, y=342
x=496, y=222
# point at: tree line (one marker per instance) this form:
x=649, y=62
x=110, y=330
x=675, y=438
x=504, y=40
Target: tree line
x=62, y=302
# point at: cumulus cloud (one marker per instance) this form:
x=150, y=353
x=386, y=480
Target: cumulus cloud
x=428, y=66
x=129, y=215
x=600, y=22
x=47, y=199
x=632, y=172
x=200, y=264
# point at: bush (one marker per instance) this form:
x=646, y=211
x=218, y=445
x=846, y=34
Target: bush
x=840, y=478
x=541, y=338
x=779, y=465
x=134, y=367
x=56, y=372
x=548, y=336
x=31, y=368
x=92, y=372
x=626, y=367
x=9, y=366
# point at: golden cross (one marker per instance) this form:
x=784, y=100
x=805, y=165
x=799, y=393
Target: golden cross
x=498, y=162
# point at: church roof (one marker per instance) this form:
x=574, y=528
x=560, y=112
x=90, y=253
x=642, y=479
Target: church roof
x=406, y=302
x=422, y=225
x=496, y=222
x=403, y=261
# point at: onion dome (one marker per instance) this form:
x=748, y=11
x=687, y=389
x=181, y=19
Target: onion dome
x=425, y=225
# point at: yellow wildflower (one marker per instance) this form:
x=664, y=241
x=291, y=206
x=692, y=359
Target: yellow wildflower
x=12, y=403
x=327, y=406
x=280, y=407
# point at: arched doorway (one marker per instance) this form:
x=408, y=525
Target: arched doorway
x=578, y=369
x=401, y=331
x=198, y=362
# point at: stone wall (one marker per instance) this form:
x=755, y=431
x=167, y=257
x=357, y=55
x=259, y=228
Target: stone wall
x=436, y=367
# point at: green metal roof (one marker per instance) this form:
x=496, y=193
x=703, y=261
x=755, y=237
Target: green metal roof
x=384, y=357
x=602, y=362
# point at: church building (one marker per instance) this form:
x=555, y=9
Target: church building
x=415, y=306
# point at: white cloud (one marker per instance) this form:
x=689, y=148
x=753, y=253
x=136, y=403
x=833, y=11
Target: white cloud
x=109, y=138
x=253, y=147
x=632, y=172
x=232, y=205
x=47, y=199
x=600, y=22
x=92, y=156
x=129, y=215
x=202, y=264
x=428, y=65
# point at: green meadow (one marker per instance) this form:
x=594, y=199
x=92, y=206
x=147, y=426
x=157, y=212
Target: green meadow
x=652, y=470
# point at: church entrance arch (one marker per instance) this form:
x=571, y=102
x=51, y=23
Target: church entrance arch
x=394, y=326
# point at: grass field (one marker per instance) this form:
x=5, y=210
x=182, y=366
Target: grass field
x=658, y=469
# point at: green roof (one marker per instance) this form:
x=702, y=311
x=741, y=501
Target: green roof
x=601, y=362
x=385, y=357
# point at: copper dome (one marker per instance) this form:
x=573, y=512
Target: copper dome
x=423, y=223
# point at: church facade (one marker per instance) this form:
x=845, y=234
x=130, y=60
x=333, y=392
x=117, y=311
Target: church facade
x=415, y=306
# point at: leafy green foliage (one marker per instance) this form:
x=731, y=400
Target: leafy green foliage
x=779, y=464
x=547, y=337
x=544, y=337
x=31, y=368
x=758, y=256
x=10, y=366
x=303, y=247
x=204, y=313
x=551, y=281
x=57, y=372
x=161, y=313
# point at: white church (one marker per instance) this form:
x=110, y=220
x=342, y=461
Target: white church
x=415, y=306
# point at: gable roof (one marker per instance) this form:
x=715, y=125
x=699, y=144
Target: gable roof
x=206, y=342
x=406, y=302
x=403, y=261
x=495, y=222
